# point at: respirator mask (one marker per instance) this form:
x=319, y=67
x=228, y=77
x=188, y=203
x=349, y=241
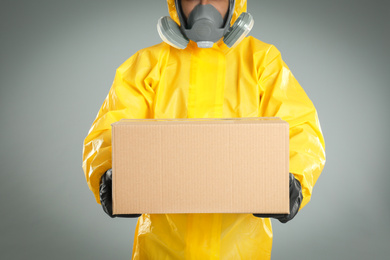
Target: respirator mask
x=205, y=26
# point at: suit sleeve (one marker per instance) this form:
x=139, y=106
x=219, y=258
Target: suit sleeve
x=131, y=96
x=282, y=96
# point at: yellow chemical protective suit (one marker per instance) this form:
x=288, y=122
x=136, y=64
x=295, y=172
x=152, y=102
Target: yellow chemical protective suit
x=250, y=80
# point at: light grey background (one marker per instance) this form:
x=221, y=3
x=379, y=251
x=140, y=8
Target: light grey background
x=58, y=60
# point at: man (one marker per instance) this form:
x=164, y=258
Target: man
x=206, y=68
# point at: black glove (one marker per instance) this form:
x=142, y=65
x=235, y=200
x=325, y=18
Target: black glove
x=105, y=192
x=295, y=202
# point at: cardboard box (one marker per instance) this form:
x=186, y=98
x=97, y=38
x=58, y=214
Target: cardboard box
x=236, y=165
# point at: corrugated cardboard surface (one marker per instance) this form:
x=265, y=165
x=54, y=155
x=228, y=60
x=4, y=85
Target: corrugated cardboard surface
x=200, y=166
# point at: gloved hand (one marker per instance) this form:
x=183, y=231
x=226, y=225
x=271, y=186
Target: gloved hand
x=295, y=202
x=105, y=192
